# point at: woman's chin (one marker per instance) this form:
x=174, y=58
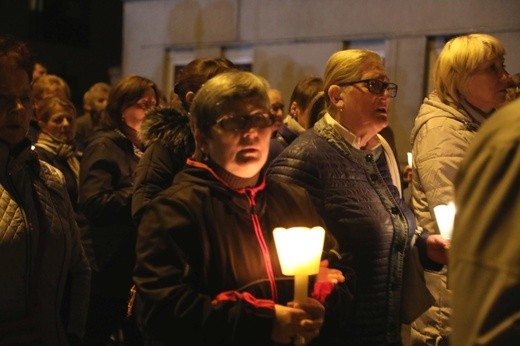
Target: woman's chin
x=249, y=167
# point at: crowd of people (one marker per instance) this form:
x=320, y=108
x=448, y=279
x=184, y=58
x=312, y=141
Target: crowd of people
x=148, y=220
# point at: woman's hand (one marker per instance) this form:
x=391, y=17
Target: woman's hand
x=437, y=248
x=303, y=319
x=329, y=275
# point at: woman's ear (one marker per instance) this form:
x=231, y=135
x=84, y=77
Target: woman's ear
x=41, y=124
x=335, y=96
x=294, y=110
x=189, y=97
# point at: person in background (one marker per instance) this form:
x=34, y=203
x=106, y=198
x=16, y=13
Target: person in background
x=277, y=104
x=46, y=86
x=470, y=83
x=55, y=144
x=485, y=250
x=106, y=185
x=207, y=269
x=39, y=69
x=94, y=103
x=513, y=92
x=352, y=175
x=300, y=117
x=40, y=247
x=167, y=134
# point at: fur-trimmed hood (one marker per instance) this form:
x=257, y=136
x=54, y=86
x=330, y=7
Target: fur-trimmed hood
x=168, y=124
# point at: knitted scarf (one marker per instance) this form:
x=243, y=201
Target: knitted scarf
x=61, y=149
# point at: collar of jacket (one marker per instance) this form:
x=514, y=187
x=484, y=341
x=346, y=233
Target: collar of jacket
x=247, y=190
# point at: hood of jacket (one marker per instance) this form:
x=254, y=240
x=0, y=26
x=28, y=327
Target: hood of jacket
x=433, y=107
x=168, y=124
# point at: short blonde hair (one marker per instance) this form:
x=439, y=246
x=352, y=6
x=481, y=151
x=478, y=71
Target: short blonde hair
x=52, y=105
x=50, y=85
x=93, y=93
x=347, y=66
x=459, y=59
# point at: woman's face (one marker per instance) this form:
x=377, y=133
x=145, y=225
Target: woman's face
x=15, y=103
x=362, y=111
x=133, y=114
x=61, y=125
x=486, y=87
x=99, y=103
x=241, y=152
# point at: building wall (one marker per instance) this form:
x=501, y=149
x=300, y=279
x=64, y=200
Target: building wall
x=288, y=39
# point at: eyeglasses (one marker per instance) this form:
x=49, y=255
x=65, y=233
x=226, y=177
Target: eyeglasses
x=376, y=86
x=145, y=105
x=245, y=122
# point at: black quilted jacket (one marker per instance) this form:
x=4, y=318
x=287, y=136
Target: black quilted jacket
x=353, y=192
x=42, y=264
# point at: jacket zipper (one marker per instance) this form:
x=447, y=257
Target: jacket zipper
x=261, y=240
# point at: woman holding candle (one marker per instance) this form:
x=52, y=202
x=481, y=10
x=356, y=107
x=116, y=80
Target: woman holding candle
x=470, y=83
x=207, y=268
x=353, y=177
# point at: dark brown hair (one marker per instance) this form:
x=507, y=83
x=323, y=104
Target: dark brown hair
x=18, y=52
x=196, y=73
x=125, y=93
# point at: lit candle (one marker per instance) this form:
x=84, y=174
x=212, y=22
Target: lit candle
x=445, y=215
x=409, y=156
x=299, y=250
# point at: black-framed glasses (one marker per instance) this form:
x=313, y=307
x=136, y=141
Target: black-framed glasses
x=376, y=86
x=245, y=122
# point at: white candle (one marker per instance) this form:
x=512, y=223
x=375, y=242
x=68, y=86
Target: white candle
x=445, y=215
x=409, y=156
x=299, y=251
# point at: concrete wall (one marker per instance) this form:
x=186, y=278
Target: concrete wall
x=289, y=39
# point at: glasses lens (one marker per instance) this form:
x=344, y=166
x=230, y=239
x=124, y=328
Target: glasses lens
x=376, y=86
x=233, y=123
x=244, y=122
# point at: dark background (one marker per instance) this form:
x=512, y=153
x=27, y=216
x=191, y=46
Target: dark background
x=78, y=40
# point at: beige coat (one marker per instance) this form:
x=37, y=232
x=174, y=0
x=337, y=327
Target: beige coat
x=440, y=138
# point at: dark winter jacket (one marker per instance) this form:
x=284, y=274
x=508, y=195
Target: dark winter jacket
x=354, y=194
x=106, y=185
x=207, y=270
x=169, y=142
x=286, y=134
x=43, y=268
x=86, y=126
x=60, y=163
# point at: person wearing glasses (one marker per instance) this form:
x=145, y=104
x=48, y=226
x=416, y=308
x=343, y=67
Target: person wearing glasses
x=352, y=175
x=106, y=183
x=207, y=269
x=470, y=83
